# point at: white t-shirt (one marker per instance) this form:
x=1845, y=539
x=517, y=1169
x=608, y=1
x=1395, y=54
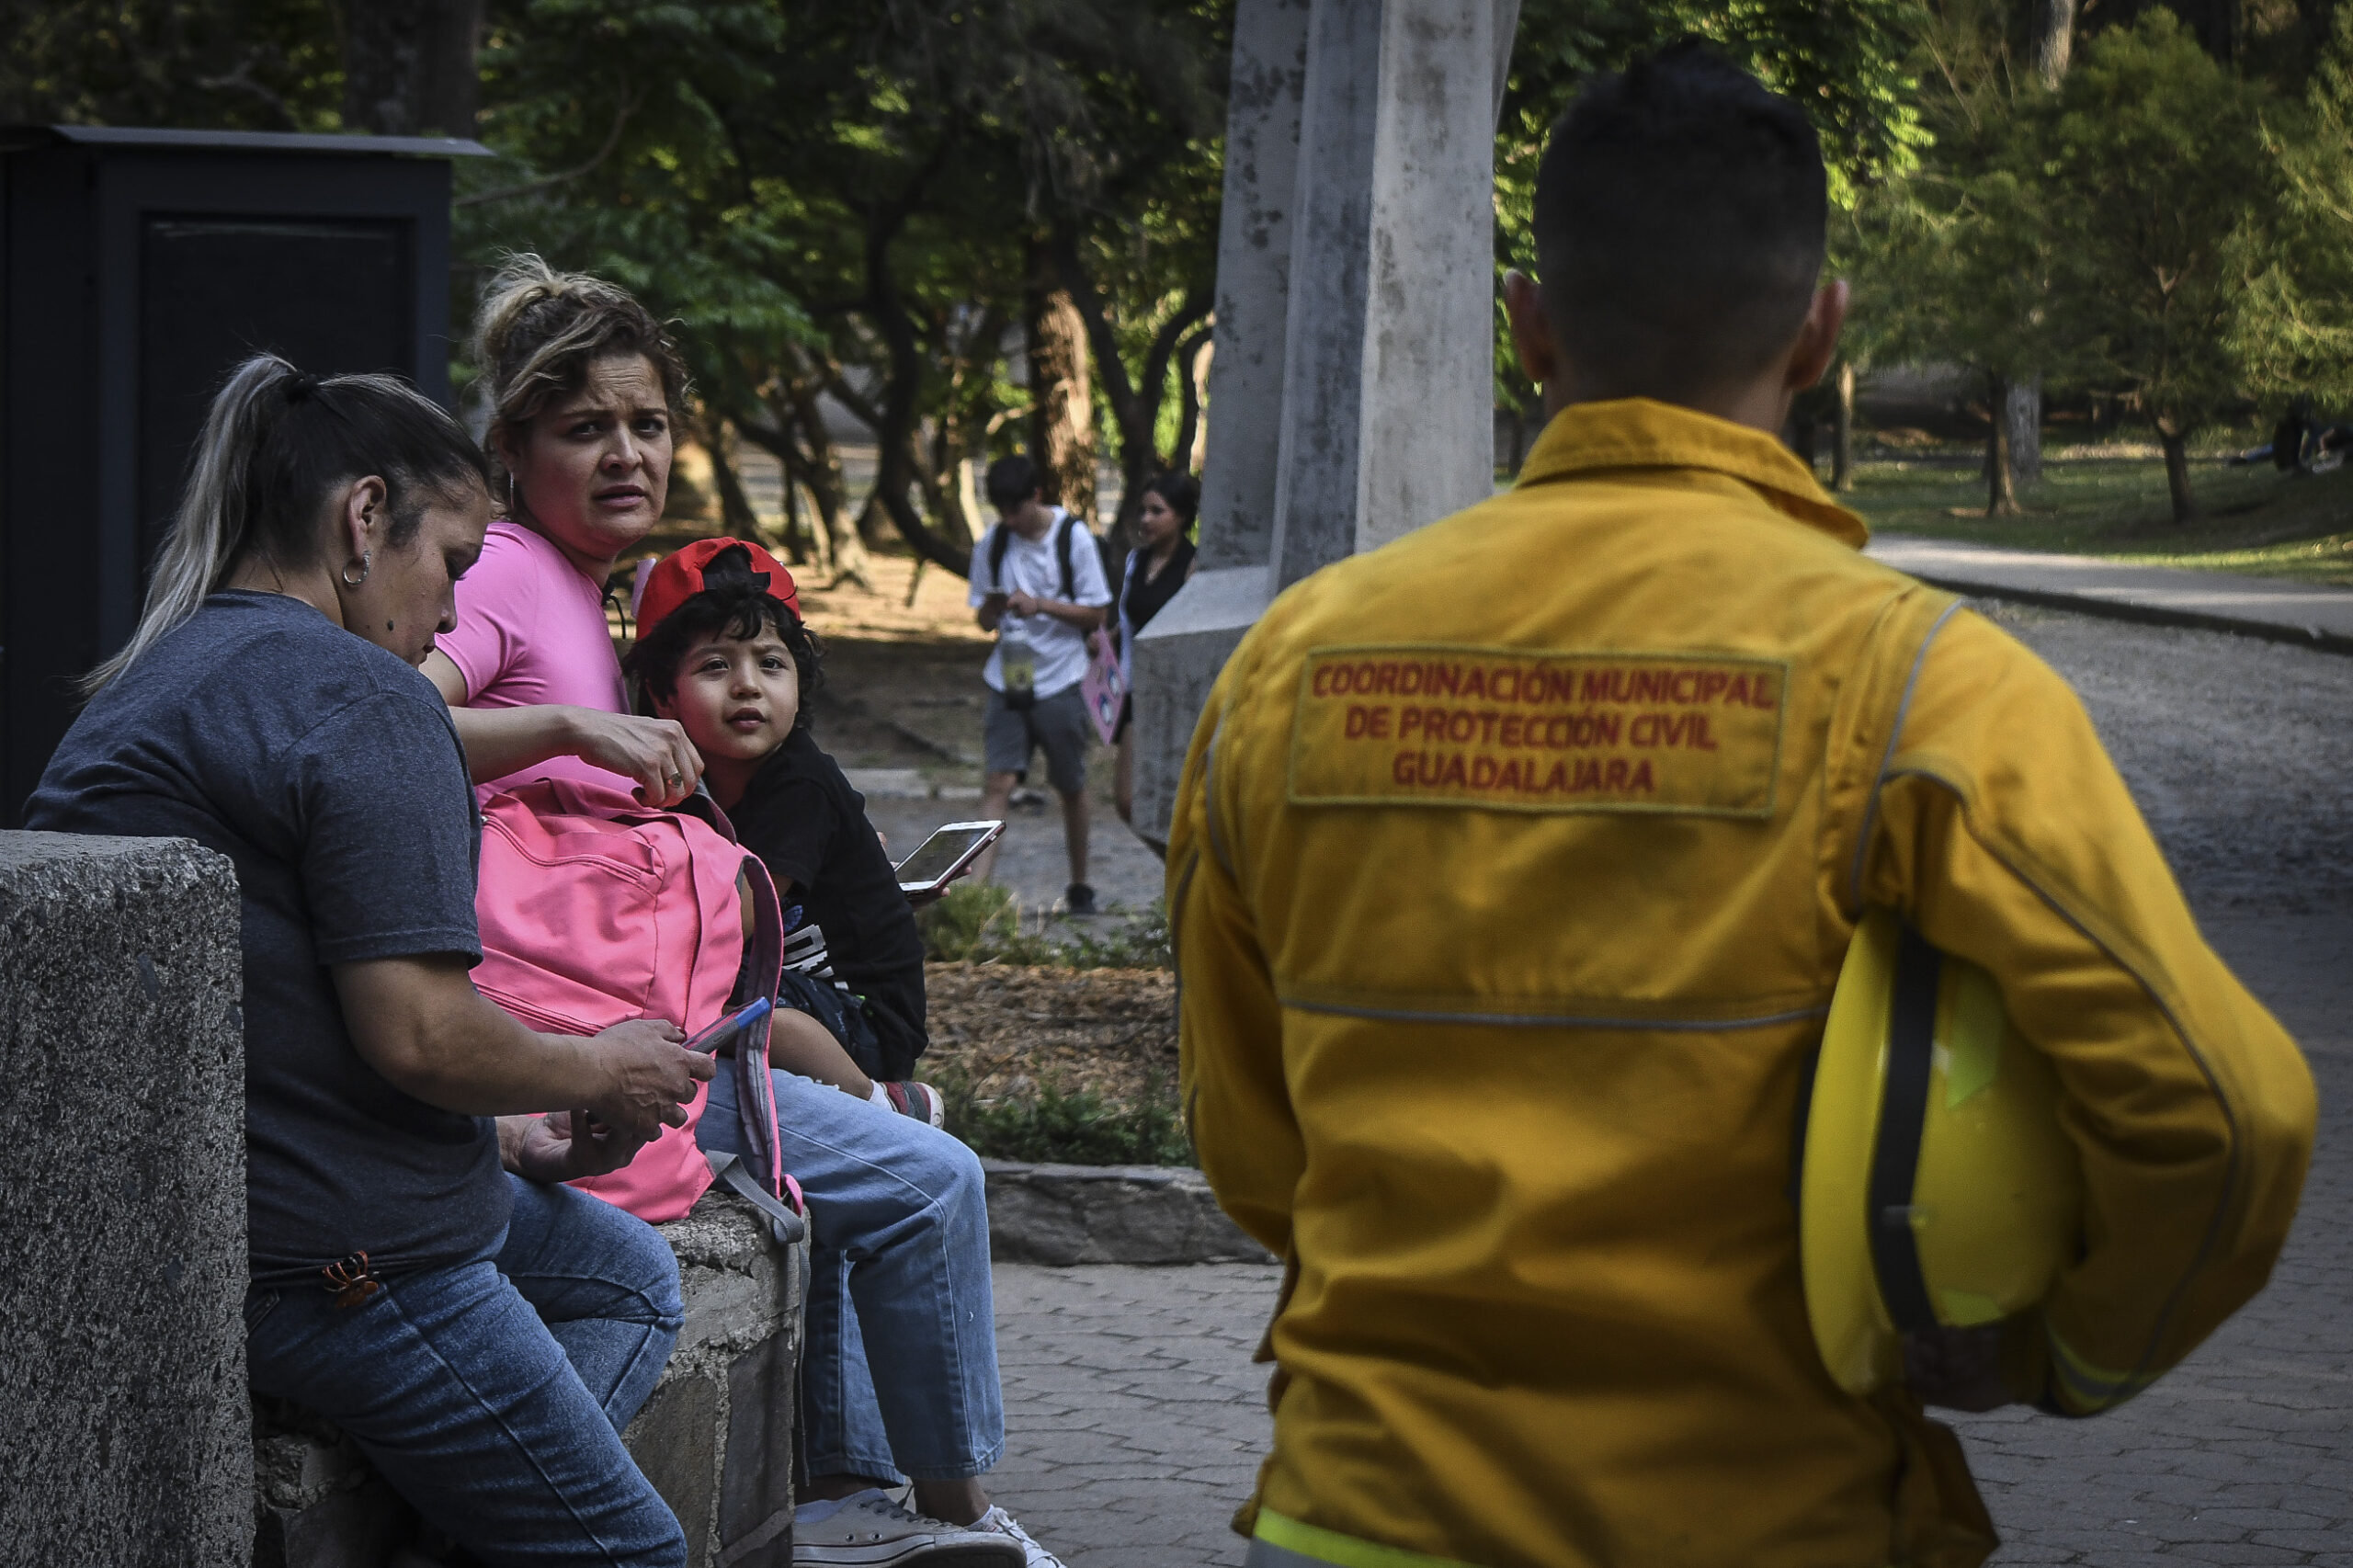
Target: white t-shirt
x=1030, y=567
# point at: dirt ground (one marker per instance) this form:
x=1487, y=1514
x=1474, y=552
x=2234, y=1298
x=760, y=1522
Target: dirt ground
x=1110, y=1030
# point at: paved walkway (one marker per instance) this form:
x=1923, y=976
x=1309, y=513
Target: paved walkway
x=2301, y=612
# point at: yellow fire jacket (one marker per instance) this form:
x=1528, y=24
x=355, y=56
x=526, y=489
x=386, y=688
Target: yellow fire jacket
x=1511, y=874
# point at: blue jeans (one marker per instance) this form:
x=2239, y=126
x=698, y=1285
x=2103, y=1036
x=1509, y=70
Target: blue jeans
x=899, y=1260
x=492, y=1393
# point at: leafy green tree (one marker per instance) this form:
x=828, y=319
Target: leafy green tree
x=839, y=200
x=212, y=65
x=2296, y=337
x=1850, y=65
x=1952, y=263
x=2153, y=178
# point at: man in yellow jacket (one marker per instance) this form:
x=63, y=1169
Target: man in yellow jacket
x=1512, y=870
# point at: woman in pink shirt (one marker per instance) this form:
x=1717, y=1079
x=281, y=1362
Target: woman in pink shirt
x=530, y=674
x=900, y=1377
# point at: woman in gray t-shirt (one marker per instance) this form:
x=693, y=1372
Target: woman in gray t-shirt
x=405, y=1232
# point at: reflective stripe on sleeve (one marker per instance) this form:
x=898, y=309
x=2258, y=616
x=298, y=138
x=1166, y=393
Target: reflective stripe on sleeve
x=1284, y=1543
x=2089, y=1388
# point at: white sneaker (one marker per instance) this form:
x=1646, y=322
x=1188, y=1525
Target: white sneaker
x=1005, y=1524
x=868, y=1530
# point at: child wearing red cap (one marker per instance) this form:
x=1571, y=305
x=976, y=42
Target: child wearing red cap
x=900, y=1372
x=722, y=648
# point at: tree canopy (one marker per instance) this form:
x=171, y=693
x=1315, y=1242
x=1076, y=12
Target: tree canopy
x=976, y=226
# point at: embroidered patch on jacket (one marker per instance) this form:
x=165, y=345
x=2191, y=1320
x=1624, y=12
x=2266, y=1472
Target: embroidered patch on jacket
x=1505, y=729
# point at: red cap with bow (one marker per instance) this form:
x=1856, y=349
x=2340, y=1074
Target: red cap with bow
x=663, y=586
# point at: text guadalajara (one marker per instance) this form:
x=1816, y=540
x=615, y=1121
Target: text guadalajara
x=1505, y=729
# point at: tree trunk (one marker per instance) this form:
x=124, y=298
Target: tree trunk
x=2216, y=23
x=2175, y=442
x=1193, y=376
x=2001, y=488
x=2022, y=410
x=806, y=541
x=1061, y=392
x=736, y=509
x=1135, y=403
x=2053, y=41
x=408, y=66
x=1842, y=430
x=2317, y=19
x=797, y=439
x=1805, y=436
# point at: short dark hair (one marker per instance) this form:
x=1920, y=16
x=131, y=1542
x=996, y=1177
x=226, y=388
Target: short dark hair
x=733, y=603
x=1680, y=211
x=1180, y=490
x=1011, y=482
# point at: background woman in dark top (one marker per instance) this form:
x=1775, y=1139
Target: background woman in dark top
x=482, y=1335
x=1161, y=565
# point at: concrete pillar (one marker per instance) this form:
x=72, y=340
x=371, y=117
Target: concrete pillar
x=1245, y=391
x=122, y=1205
x=1358, y=215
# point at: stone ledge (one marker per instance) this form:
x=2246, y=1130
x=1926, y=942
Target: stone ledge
x=1063, y=1215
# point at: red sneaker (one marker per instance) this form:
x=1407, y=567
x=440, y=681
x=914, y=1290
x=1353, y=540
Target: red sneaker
x=919, y=1100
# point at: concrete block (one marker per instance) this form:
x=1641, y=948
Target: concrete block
x=1387, y=379
x=716, y=1436
x=1254, y=246
x=1178, y=659
x=123, y=1204
x=1351, y=395
x=1070, y=1214
x=317, y=1501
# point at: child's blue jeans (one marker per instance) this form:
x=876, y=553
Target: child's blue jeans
x=899, y=1257
x=492, y=1393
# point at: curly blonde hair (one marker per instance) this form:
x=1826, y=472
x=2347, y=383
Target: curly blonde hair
x=539, y=330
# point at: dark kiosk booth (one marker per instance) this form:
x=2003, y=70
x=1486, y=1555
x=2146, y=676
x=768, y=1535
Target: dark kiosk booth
x=136, y=267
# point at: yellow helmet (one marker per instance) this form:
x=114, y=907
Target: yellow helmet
x=1936, y=1187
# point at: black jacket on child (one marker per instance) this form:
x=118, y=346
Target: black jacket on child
x=856, y=931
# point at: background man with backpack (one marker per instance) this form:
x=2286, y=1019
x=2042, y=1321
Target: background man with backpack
x=1038, y=582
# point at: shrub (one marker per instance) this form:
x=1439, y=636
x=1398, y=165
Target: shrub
x=1077, y=1127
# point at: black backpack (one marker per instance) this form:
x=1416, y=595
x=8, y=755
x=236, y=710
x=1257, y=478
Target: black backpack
x=1001, y=539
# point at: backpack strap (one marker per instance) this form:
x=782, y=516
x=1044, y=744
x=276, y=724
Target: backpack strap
x=789, y=1226
x=754, y=1090
x=998, y=542
x=764, y=970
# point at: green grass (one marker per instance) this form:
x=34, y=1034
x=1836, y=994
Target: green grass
x=2253, y=520
x=1074, y=1128
x=982, y=923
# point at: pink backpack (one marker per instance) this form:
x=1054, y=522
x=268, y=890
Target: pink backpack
x=595, y=910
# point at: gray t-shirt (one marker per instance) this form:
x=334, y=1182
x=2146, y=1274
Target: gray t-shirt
x=329, y=772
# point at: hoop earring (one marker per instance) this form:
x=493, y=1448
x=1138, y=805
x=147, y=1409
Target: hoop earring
x=367, y=564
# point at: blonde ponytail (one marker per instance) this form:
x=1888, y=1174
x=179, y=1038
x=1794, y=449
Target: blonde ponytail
x=207, y=535
x=276, y=444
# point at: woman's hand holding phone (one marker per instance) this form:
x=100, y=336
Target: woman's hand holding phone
x=652, y=1075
